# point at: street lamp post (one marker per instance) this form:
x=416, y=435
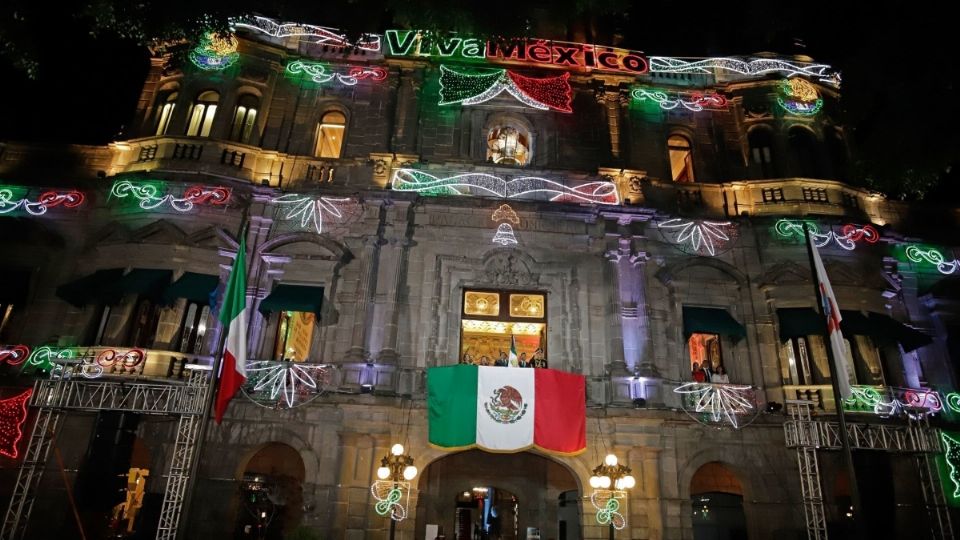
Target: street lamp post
x=609, y=480
x=396, y=467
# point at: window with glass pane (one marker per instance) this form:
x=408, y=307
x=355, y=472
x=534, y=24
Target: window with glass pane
x=244, y=118
x=330, y=133
x=165, y=112
x=681, y=158
x=194, y=328
x=508, y=146
x=294, y=336
x=202, y=112
x=761, y=151
x=143, y=330
x=503, y=328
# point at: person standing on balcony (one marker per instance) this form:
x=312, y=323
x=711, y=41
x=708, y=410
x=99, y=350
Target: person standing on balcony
x=720, y=376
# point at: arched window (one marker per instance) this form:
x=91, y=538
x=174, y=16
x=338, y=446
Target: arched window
x=681, y=158
x=244, y=117
x=508, y=145
x=165, y=105
x=803, y=149
x=761, y=151
x=330, y=134
x=202, y=113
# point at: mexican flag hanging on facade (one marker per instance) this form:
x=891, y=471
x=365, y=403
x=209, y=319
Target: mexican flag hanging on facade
x=504, y=409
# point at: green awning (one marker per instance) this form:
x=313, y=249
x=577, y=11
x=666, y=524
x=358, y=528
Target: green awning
x=886, y=328
x=14, y=284
x=293, y=298
x=798, y=322
x=711, y=321
x=193, y=287
x=148, y=282
x=94, y=287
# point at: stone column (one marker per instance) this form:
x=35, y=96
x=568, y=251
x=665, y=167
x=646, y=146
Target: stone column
x=633, y=308
x=392, y=280
x=611, y=100
x=365, y=288
x=405, y=126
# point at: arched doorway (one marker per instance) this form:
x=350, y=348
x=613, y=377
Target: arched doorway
x=717, y=500
x=458, y=493
x=271, y=496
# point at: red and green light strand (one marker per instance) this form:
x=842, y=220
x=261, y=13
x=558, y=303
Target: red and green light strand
x=548, y=93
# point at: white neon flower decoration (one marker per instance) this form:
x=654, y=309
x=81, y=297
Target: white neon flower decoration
x=697, y=236
x=290, y=383
x=719, y=402
x=310, y=210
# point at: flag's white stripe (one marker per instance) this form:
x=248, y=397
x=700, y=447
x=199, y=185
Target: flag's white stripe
x=514, y=431
x=831, y=309
x=237, y=342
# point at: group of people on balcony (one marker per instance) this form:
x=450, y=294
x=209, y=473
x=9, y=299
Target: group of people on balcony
x=538, y=360
x=705, y=373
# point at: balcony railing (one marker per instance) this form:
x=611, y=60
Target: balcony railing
x=884, y=401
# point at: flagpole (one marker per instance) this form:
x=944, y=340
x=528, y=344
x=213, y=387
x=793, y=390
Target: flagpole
x=858, y=515
x=208, y=406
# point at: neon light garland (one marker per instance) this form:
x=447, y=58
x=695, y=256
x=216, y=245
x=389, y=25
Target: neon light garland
x=752, y=67
x=695, y=101
x=389, y=496
x=884, y=401
x=848, y=238
x=307, y=32
x=310, y=210
x=952, y=456
x=148, y=195
x=275, y=384
x=953, y=402
x=215, y=53
x=321, y=73
x=713, y=403
x=799, y=97
x=608, y=507
x=697, y=236
x=14, y=355
x=487, y=185
x=13, y=413
x=14, y=197
x=43, y=358
x=933, y=256
x=473, y=88
x=505, y=213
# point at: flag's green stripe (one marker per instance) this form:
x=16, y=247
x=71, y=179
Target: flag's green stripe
x=235, y=297
x=452, y=404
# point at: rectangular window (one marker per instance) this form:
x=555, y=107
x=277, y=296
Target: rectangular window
x=815, y=195
x=706, y=360
x=772, y=194
x=193, y=328
x=500, y=328
x=797, y=352
x=294, y=336
x=143, y=330
x=330, y=140
x=201, y=120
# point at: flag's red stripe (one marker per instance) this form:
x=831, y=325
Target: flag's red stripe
x=230, y=383
x=560, y=419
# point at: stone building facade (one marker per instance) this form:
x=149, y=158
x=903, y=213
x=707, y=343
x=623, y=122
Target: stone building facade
x=661, y=219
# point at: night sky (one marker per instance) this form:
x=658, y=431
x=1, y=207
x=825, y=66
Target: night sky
x=899, y=82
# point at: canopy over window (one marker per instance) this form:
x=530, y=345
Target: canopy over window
x=91, y=288
x=711, y=321
x=193, y=287
x=293, y=298
x=797, y=322
x=144, y=281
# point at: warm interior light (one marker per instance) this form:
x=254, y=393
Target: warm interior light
x=610, y=460
x=397, y=449
x=383, y=473
x=410, y=472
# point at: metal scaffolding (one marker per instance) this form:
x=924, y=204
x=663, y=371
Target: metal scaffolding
x=801, y=435
x=56, y=396
x=917, y=437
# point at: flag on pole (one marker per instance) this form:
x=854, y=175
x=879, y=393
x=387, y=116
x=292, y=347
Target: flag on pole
x=233, y=316
x=506, y=410
x=512, y=359
x=832, y=313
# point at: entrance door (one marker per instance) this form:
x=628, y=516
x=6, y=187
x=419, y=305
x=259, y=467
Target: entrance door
x=478, y=495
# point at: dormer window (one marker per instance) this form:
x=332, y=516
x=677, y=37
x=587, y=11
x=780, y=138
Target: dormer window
x=508, y=145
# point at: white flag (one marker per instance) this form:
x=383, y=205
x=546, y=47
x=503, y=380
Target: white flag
x=832, y=312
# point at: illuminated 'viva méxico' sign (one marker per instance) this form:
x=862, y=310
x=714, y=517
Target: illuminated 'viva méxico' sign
x=530, y=52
